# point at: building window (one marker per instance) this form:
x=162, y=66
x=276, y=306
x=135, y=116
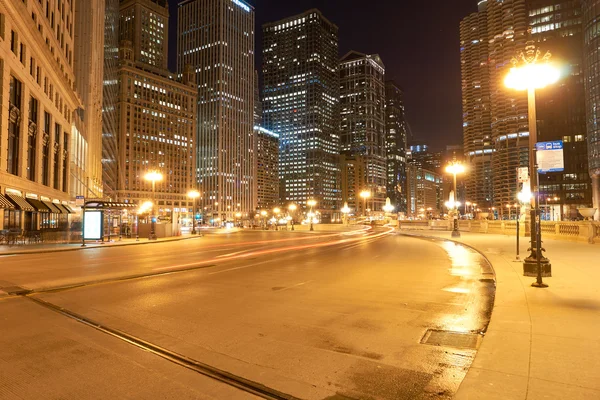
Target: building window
x=14, y=126
x=32, y=138
x=579, y=138
x=65, y=152
x=14, y=42
x=46, y=150
x=57, y=132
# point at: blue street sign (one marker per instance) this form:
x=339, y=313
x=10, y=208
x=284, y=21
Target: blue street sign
x=550, y=157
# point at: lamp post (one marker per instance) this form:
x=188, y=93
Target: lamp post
x=153, y=176
x=454, y=169
x=193, y=194
x=365, y=194
x=238, y=217
x=276, y=212
x=531, y=76
x=311, y=203
x=292, y=208
x=264, y=215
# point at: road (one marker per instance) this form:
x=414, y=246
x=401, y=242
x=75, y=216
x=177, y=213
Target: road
x=246, y=315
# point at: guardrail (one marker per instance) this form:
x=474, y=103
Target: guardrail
x=581, y=231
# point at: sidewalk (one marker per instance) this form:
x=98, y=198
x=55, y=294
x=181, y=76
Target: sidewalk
x=541, y=343
x=6, y=250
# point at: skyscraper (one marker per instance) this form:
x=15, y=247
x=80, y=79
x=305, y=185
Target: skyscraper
x=556, y=27
x=396, y=144
x=216, y=37
x=145, y=23
x=477, y=130
x=110, y=92
x=591, y=51
x=362, y=125
x=507, y=34
x=267, y=170
x=86, y=141
x=300, y=103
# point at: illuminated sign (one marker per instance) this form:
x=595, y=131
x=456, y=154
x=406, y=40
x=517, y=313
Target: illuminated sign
x=550, y=157
x=242, y=5
x=92, y=225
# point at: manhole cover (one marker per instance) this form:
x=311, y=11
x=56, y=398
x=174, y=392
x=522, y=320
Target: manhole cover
x=459, y=340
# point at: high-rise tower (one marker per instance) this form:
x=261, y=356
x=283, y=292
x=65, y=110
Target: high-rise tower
x=477, y=130
x=362, y=125
x=591, y=14
x=396, y=144
x=216, y=37
x=300, y=103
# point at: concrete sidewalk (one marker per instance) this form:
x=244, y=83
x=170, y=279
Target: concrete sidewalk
x=541, y=343
x=6, y=250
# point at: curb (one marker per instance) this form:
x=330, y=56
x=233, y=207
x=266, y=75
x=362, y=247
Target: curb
x=92, y=246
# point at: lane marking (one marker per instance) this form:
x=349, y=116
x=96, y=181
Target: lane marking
x=240, y=267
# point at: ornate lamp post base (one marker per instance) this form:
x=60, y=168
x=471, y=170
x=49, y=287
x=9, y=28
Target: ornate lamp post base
x=530, y=267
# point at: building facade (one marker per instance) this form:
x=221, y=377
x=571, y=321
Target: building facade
x=267, y=169
x=301, y=104
x=157, y=126
x=556, y=27
x=591, y=68
x=362, y=118
x=86, y=137
x=477, y=129
x=353, y=181
x=216, y=37
x=396, y=145
x=423, y=192
x=38, y=101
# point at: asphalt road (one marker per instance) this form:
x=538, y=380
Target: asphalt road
x=246, y=315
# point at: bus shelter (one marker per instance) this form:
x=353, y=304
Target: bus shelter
x=104, y=219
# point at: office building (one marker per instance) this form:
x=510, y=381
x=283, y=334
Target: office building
x=37, y=41
x=396, y=146
x=157, y=132
x=267, y=170
x=86, y=137
x=556, y=27
x=216, y=37
x=362, y=118
x=423, y=192
x=477, y=129
x=145, y=23
x=353, y=169
x=110, y=93
x=591, y=68
x=300, y=103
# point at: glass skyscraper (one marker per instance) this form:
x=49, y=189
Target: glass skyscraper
x=301, y=104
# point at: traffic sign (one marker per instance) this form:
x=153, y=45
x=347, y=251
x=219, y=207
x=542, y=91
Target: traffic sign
x=523, y=174
x=79, y=200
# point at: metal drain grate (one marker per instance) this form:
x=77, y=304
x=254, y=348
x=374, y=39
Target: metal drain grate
x=459, y=340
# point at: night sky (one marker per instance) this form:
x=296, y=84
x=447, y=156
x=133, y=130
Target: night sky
x=417, y=40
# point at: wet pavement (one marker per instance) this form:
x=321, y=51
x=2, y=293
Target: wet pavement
x=363, y=316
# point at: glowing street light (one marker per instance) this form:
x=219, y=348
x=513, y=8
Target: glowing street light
x=153, y=176
x=292, y=208
x=365, y=194
x=193, y=194
x=345, y=211
x=276, y=212
x=454, y=169
x=311, y=203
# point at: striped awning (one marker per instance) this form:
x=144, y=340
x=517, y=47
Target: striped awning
x=61, y=208
x=53, y=208
x=38, y=205
x=68, y=208
x=5, y=203
x=19, y=202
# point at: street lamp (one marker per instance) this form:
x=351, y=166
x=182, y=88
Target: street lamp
x=238, y=216
x=311, y=203
x=454, y=169
x=264, y=215
x=193, y=194
x=292, y=208
x=153, y=176
x=531, y=76
x=365, y=194
x=276, y=211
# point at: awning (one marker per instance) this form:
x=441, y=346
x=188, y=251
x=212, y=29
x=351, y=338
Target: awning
x=5, y=203
x=68, y=208
x=61, y=208
x=19, y=202
x=108, y=205
x=53, y=208
x=38, y=205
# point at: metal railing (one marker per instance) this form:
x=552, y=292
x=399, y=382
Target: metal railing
x=583, y=231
